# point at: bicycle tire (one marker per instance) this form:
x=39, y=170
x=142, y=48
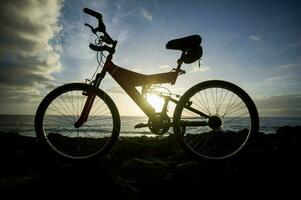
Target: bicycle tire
x=51, y=131
x=222, y=132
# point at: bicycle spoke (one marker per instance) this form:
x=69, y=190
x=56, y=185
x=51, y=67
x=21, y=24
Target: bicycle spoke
x=203, y=109
x=97, y=109
x=87, y=133
x=205, y=105
x=238, y=109
x=237, y=117
x=63, y=107
x=59, y=118
x=67, y=118
x=220, y=101
x=82, y=103
x=70, y=132
x=101, y=130
x=74, y=110
x=223, y=100
x=230, y=101
x=66, y=106
x=230, y=107
x=53, y=120
x=97, y=118
x=234, y=107
x=213, y=100
x=77, y=108
x=98, y=114
x=207, y=102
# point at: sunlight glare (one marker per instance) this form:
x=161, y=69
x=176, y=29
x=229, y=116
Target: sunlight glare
x=156, y=101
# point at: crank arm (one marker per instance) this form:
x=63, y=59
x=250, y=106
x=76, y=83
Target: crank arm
x=141, y=125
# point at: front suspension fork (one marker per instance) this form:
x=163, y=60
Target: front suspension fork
x=91, y=93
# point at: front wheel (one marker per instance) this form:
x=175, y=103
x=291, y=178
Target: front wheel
x=60, y=109
x=215, y=120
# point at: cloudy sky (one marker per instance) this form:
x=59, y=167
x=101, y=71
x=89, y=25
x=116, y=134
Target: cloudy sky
x=254, y=44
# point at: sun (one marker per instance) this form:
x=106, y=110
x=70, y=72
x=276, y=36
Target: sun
x=156, y=101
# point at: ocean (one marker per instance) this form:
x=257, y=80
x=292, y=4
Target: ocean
x=24, y=124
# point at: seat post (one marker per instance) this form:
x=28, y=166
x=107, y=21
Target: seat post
x=180, y=62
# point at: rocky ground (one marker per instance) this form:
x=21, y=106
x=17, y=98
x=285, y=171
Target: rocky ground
x=142, y=168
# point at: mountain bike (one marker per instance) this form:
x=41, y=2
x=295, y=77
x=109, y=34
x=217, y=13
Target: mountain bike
x=213, y=119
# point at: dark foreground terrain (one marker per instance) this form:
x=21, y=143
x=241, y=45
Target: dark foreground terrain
x=143, y=168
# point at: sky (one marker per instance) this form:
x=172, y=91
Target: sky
x=255, y=44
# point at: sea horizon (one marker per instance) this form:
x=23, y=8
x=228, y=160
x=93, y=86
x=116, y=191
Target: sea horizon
x=23, y=124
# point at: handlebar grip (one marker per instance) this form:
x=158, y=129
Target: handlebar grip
x=93, y=13
x=101, y=25
x=101, y=48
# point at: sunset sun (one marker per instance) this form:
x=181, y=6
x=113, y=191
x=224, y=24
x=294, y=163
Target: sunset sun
x=156, y=101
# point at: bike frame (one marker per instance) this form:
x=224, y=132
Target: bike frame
x=129, y=80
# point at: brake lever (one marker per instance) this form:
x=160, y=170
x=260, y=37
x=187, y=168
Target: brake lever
x=94, y=30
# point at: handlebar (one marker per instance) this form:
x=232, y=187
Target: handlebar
x=93, y=13
x=91, y=27
x=108, y=39
x=101, y=25
x=101, y=28
x=102, y=48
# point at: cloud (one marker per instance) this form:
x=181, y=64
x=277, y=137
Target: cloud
x=164, y=67
x=199, y=69
x=255, y=38
x=122, y=36
x=28, y=50
x=281, y=79
x=289, y=66
x=118, y=6
x=148, y=16
x=118, y=23
x=285, y=105
x=294, y=44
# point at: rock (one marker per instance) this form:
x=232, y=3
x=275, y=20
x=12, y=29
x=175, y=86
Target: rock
x=143, y=168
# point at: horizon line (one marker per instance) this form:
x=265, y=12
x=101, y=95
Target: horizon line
x=3, y=114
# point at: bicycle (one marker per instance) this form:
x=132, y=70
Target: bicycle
x=213, y=120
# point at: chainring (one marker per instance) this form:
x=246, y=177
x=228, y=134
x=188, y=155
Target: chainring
x=160, y=124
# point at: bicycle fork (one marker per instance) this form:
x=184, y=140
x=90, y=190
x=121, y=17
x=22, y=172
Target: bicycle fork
x=91, y=93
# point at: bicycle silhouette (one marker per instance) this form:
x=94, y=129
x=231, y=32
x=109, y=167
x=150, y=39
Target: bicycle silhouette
x=213, y=120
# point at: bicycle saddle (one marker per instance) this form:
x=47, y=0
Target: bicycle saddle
x=184, y=43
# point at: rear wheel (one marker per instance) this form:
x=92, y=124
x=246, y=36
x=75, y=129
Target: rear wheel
x=60, y=109
x=215, y=120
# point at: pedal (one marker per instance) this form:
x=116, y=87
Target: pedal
x=141, y=125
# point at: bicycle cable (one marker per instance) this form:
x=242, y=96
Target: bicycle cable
x=99, y=56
